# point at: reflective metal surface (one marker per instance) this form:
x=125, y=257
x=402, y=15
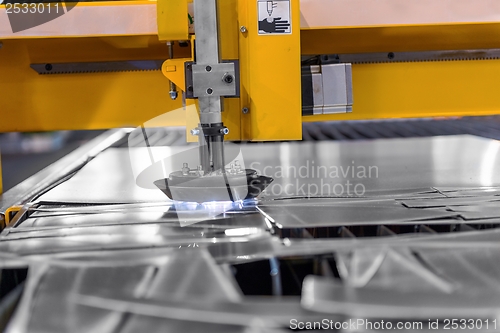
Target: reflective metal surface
x=419, y=245
x=304, y=215
x=361, y=168
x=32, y=187
x=108, y=178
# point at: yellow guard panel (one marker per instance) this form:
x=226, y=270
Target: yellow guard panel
x=270, y=77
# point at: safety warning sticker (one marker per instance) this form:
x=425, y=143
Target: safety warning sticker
x=274, y=17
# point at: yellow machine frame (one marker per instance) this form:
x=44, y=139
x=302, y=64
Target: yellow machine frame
x=33, y=102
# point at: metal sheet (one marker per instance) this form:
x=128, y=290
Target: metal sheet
x=303, y=169
x=108, y=178
x=458, y=161
x=229, y=220
x=378, y=267
x=47, y=242
x=124, y=266
x=33, y=186
x=304, y=216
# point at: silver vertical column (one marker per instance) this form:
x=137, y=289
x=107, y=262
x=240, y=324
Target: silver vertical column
x=207, y=55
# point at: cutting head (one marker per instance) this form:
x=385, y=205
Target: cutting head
x=229, y=186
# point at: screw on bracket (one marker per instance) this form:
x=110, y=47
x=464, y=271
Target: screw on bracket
x=173, y=94
x=227, y=78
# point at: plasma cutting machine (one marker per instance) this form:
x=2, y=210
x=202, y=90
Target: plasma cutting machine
x=85, y=248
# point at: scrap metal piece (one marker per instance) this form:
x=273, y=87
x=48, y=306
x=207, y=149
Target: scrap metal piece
x=302, y=215
x=479, y=212
x=469, y=192
x=181, y=275
x=95, y=67
x=377, y=267
x=443, y=202
x=327, y=295
x=468, y=268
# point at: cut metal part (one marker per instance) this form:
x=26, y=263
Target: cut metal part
x=388, y=57
x=95, y=67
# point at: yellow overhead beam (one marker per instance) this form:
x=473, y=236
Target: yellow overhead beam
x=104, y=100
x=34, y=102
